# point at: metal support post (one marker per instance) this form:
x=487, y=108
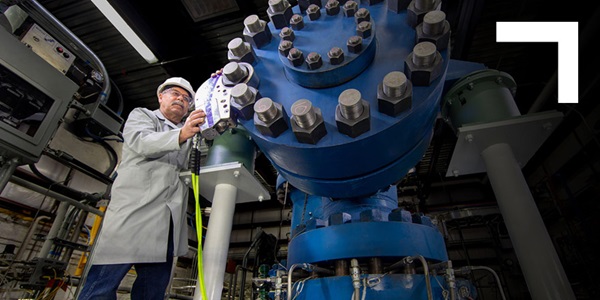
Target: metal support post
x=216, y=246
x=539, y=261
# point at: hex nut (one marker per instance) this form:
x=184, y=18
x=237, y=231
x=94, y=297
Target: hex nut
x=372, y=215
x=314, y=12
x=259, y=37
x=361, y=15
x=336, y=56
x=354, y=44
x=440, y=41
x=284, y=47
x=297, y=22
x=423, y=76
x=350, y=8
x=332, y=7
x=280, y=16
x=414, y=15
x=246, y=110
x=287, y=34
x=356, y=127
x=313, y=134
x=364, y=29
x=393, y=106
x=304, y=4
x=397, y=5
x=274, y=127
x=296, y=57
x=314, y=61
x=340, y=218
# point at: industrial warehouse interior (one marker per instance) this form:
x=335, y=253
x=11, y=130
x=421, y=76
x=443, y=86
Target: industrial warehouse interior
x=388, y=172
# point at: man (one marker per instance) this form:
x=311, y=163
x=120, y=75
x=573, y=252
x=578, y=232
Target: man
x=145, y=222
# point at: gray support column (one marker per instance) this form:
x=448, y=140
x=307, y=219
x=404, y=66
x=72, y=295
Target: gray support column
x=218, y=235
x=541, y=266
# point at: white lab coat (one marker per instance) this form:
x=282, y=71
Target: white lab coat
x=146, y=191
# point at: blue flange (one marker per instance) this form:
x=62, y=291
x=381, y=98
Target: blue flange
x=336, y=163
x=367, y=239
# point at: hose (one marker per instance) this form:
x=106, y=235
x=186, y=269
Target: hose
x=495, y=276
x=195, y=163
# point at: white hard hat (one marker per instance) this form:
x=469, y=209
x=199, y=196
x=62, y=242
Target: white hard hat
x=178, y=81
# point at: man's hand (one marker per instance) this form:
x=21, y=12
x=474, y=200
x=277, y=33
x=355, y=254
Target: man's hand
x=192, y=125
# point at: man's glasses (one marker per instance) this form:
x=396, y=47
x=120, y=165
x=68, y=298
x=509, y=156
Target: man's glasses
x=176, y=94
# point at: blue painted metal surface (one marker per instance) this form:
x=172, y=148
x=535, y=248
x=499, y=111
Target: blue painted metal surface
x=340, y=166
x=394, y=286
x=368, y=239
x=316, y=238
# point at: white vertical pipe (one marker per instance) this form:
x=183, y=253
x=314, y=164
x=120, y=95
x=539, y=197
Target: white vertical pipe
x=545, y=276
x=61, y=213
x=216, y=245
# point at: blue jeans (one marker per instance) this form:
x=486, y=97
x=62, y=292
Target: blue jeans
x=102, y=281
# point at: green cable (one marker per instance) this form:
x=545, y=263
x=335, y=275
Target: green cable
x=196, y=188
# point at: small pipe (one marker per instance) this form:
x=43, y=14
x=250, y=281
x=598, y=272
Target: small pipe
x=408, y=260
x=28, y=236
x=426, y=273
x=355, y=273
x=8, y=168
x=289, y=280
x=55, y=195
x=307, y=267
x=451, y=280
x=58, y=221
x=495, y=276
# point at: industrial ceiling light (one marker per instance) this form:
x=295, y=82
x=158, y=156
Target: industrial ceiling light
x=117, y=21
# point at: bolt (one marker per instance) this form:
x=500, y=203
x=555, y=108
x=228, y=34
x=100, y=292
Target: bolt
x=350, y=8
x=277, y=5
x=350, y=103
x=424, y=54
x=363, y=29
x=304, y=113
x=394, y=84
x=336, y=55
x=354, y=44
x=252, y=23
x=233, y=72
x=332, y=7
x=547, y=126
x=261, y=198
x=297, y=22
x=314, y=60
x=287, y=34
x=455, y=173
x=238, y=47
x=295, y=57
x=241, y=94
x=362, y=14
x=236, y=174
x=469, y=138
x=265, y=109
x=424, y=5
x=314, y=12
x=284, y=47
x=433, y=22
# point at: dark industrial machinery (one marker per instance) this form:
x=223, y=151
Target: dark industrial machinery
x=342, y=99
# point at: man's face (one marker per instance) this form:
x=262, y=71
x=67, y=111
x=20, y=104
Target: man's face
x=174, y=103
